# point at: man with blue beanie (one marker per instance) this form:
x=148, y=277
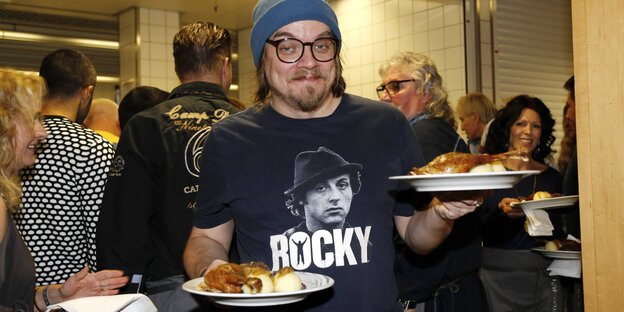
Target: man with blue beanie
x=302, y=108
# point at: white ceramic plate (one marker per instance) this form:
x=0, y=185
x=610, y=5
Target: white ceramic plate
x=312, y=282
x=465, y=181
x=559, y=254
x=548, y=203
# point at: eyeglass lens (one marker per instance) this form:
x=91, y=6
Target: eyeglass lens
x=291, y=50
x=392, y=87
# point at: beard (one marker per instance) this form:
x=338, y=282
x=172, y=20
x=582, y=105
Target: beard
x=308, y=99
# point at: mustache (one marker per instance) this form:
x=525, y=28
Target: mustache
x=314, y=73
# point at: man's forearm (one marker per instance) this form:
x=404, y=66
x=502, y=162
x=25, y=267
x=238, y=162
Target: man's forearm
x=201, y=254
x=426, y=230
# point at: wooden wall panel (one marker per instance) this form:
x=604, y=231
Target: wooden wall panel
x=598, y=35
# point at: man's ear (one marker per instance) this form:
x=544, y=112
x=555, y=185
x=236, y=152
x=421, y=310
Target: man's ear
x=226, y=73
x=86, y=92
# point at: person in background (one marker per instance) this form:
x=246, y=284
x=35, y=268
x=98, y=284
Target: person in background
x=147, y=212
x=20, y=131
x=301, y=106
x=138, y=100
x=446, y=279
x=514, y=276
x=475, y=111
x=103, y=119
x=568, y=166
x=64, y=188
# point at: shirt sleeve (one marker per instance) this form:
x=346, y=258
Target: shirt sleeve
x=212, y=203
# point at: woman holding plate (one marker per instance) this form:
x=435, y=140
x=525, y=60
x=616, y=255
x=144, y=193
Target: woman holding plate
x=515, y=278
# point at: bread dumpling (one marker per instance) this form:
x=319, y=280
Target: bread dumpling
x=286, y=280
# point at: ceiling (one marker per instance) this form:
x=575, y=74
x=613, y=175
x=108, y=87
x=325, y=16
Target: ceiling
x=97, y=19
x=231, y=14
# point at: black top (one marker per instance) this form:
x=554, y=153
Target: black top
x=571, y=187
x=418, y=276
x=147, y=212
x=500, y=231
x=17, y=271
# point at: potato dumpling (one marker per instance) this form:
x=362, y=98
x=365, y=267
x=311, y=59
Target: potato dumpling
x=481, y=168
x=541, y=195
x=498, y=166
x=286, y=280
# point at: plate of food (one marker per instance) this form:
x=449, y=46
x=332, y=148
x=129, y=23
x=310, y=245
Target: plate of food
x=275, y=288
x=465, y=181
x=548, y=202
x=559, y=254
x=561, y=249
x=465, y=172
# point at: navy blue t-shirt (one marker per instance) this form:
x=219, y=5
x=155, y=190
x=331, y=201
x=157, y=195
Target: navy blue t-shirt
x=252, y=165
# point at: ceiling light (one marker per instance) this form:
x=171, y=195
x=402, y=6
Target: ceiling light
x=29, y=37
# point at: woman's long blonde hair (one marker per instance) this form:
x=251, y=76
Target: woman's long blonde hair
x=20, y=98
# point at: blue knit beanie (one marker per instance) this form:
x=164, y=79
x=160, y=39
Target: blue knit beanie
x=271, y=15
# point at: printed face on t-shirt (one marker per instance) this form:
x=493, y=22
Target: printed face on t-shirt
x=327, y=203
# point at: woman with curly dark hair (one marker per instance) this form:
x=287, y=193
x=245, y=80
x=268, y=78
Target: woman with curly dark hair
x=515, y=278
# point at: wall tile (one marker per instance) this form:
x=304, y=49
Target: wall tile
x=378, y=32
x=143, y=15
x=454, y=57
x=453, y=36
x=157, y=17
x=144, y=51
x=406, y=43
x=392, y=46
x=158, y=69
x=158, y=51
x=405, y=7
x=436, y=18
x=392, y=29
x=172, y=19
x=157, y=34
x=421, y=42
x=456, y=79
x=144, y=31
x=392, y=9
x=406, y=25
x=421, y=21
x=378, y=13
x=452, y=14
x=436, y=39
x=160, y=83
x=419, y=5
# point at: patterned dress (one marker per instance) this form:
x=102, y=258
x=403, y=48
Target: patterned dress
x=62, y=193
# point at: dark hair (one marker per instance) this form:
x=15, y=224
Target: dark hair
x=138, y=100
x=293, y=203
x=200, y=47
x=66, y=73
x=569, y=85
x=263, y=90
x=498, y=134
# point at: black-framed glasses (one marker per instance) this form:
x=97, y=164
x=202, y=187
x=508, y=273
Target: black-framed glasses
x=392, y=87
x=290, y=50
